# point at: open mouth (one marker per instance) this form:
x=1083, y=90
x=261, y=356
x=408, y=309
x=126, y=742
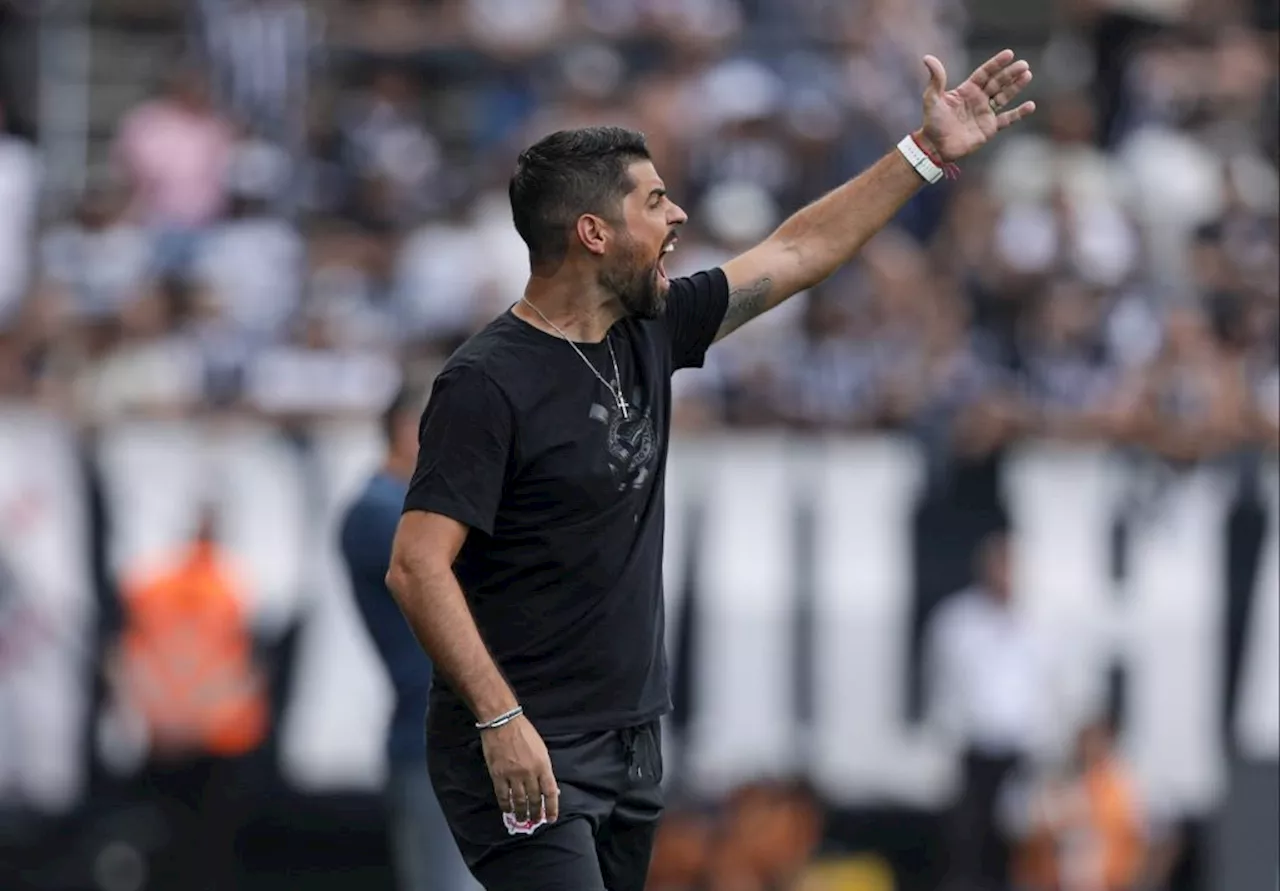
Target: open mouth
x=662, y=258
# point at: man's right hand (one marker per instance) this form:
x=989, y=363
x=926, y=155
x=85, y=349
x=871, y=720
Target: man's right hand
x=520, y=768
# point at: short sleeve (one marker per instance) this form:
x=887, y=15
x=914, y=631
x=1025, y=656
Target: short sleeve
x=695, y=308
x=463, y=444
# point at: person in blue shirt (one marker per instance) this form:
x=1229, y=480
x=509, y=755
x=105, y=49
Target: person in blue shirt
x=427, y=859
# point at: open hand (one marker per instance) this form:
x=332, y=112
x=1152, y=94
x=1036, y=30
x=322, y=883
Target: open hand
x=520, y=768
x=960, y=121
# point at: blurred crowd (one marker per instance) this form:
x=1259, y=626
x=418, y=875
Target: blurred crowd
x=312, y=206
x=314, y=203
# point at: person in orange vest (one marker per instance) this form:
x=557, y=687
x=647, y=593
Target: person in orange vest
x=185, y=666
x=1087, y=831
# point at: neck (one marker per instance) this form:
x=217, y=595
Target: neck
x=577, y=305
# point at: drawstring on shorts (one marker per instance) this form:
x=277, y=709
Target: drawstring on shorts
x=635, y=770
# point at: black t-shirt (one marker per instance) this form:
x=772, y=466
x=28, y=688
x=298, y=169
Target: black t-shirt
x=562, y=567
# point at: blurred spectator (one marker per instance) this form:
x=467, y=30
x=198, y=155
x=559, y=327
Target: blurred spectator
x=992, y=694
x=1068, y=379
x=768, y=836
x=884, y=42
x=353, y=277
x=393, y=27
x=185, y=667
x=442, y=270
x=97, y=262
x=1197, y=136
x=140, y=365
x=1087, y=829
x=941, y=385
x=426, y=856
x=1034, y=166
x=19, y=191
x=589, y=78
x=1114, y=30
x=249, y=266
x=317, y=375
x=173, y=153
x=1065, y=202
x=19, y=20
x=763, y=837
x=739, y=101
x=386, y=141
x=827, y=375
x=261, y=54
x=1187, y=404
x=511, y=29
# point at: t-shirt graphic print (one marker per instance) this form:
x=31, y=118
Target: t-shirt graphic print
x=631, y=440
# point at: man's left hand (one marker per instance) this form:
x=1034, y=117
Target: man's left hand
x=960, y=121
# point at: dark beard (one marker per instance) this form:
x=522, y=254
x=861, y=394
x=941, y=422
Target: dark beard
x=634, y=281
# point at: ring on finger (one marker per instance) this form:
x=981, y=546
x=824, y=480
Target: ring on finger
x=994, y=105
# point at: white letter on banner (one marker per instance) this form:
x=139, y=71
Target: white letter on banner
x=154, y=473
x=1257, y=719
x=333, y=734
x=262, y=494
x=1062, y=501
x=865, y=492
x=1174, y=616
x=686, y=468
x=742, y=727
x=46, y=605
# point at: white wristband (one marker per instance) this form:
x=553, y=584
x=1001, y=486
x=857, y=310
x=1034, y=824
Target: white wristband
x=921, y=162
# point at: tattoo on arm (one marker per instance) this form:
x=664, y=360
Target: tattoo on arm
x=745, y=303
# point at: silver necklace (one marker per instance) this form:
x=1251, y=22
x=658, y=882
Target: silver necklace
x=615, y=389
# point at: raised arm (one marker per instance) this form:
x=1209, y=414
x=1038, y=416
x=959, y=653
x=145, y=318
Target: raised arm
x=819, y=239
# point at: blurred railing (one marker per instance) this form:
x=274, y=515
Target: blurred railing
x=64, y=59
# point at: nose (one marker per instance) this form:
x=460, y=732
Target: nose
x=676, y=215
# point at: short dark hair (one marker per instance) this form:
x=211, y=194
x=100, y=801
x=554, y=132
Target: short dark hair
x=567, y=174
x=410, y=400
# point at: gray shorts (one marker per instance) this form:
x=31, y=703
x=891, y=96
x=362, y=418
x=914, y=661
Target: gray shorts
x=610, y=804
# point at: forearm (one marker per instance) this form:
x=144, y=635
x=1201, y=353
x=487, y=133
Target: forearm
x=437, y=611
x=827, y=234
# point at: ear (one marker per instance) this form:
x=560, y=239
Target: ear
x=594, y=233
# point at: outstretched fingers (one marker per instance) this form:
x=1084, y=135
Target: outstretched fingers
x=1005, y=119
x=991, y=68
x=1007, y=77
x=1011, y=88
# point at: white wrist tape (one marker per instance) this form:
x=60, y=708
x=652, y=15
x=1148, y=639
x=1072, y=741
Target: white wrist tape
x=922, y=163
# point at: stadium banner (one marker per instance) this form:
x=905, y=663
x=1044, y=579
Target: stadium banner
x=1159, y=622
x=792, y=575
x=47, y=611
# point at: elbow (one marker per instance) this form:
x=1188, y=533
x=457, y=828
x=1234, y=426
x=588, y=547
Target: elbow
x=399, y=577
x=408, y=574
